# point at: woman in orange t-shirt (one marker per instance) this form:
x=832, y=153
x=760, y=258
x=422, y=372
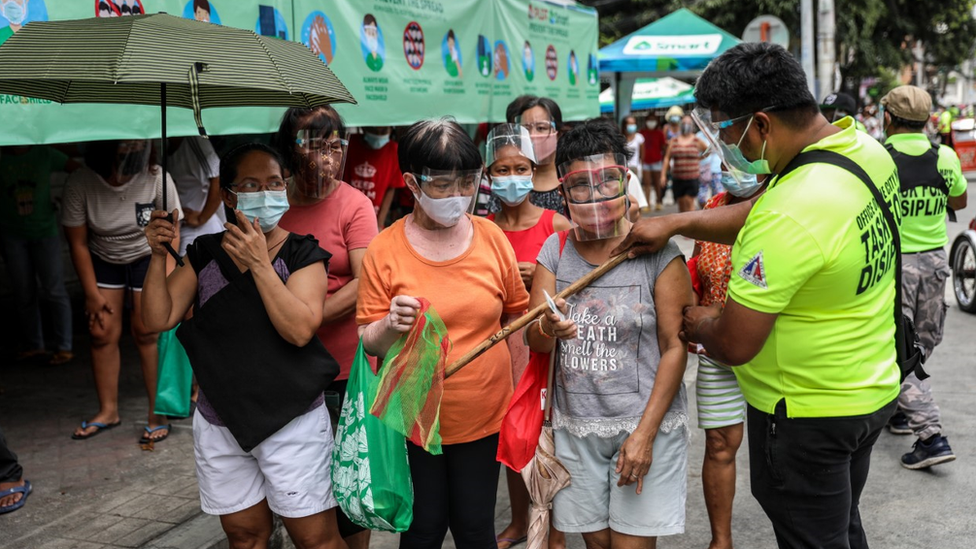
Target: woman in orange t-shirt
x=467, y=269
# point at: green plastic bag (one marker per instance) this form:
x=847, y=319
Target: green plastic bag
x=174, y=377
x=370, y=471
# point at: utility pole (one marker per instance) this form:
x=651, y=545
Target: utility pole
x=806, y=42
x=826, y=47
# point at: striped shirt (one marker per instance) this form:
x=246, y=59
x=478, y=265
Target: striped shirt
x=687, y=159
x=115, y=216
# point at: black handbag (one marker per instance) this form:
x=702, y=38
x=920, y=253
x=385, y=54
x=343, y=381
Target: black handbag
x=911, y=355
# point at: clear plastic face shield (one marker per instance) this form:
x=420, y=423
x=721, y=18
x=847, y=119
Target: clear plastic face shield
x=508, y=139
x=321, y=160
x=595, y=188
x=132, y=158
x=714, y=131
x=446, y=195
x=542, y=131
x=510, y=161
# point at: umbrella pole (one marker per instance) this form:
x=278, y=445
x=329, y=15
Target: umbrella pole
x=162, y=151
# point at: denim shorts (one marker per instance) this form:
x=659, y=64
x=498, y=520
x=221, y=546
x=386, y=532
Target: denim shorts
x=593, y=501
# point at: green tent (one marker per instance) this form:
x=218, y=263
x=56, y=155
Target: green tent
x=679, y=45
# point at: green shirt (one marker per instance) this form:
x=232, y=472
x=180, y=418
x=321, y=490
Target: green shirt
x=25, y=191
x=816, y=251
x=923, y=209
x=375, y=63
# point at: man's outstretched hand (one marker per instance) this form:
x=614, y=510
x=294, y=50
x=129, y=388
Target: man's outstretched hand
x=649, y=234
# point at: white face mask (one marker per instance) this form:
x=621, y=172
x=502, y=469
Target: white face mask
x=651, y=124
x=444, y=211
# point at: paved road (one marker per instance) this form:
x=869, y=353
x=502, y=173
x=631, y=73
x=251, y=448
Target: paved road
x=107, y=492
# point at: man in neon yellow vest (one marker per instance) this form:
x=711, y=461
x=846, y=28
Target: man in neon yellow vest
x=808, y=322
x=931, y=182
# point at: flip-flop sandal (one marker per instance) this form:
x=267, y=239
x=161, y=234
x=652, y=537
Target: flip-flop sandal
x=512, y=542
x=99, y=427
x=147, y=438
x=26, y=489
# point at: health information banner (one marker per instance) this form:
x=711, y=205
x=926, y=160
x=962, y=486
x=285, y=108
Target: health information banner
x=403, y=60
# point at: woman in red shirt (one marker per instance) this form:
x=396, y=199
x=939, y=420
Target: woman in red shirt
x=654, y=144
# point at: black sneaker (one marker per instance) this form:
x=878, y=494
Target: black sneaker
x=928, y=453
x=898, y=424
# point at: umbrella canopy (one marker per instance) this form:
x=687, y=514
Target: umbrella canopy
x=679, y=42
x=163, y=60
x=544, y=476
x=653, y=93
x=125, y=59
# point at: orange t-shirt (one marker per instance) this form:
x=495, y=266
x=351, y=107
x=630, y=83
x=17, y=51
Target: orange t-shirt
x=470, y=293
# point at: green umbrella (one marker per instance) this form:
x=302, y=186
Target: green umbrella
x=163, y=60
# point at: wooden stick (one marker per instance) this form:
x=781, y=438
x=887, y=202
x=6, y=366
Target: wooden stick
x=525, y=319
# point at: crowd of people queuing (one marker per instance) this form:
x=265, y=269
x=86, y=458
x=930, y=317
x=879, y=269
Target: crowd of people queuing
x=299, y=250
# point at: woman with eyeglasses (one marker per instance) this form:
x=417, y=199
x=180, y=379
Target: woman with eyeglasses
x=106, y=206
x=312, y=144
x=619, y=410
x=466, y=268
x=543, y=119
x=261, y=434
x=685, y=150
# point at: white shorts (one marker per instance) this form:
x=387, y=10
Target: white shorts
x=720, y=400
x=290, y=468
x=655, y=167
x=593, y=501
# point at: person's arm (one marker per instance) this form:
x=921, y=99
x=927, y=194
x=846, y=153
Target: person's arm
x=719, y=225
x=541, y=334
x=213, y=201
x=343, y=302
x=95, y=303
x=165, y=299
x=294, y=308
x=385, y=208
x=665, y=164
x=733, y=336
x=958, y=202
x=672, y=294
x=379, y=336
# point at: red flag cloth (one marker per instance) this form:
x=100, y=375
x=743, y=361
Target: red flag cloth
x=522, y=424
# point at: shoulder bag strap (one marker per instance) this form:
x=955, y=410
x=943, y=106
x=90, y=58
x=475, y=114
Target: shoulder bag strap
x=836, y=159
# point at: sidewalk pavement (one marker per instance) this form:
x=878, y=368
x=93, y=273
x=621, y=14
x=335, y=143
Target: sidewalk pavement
x=107, y=492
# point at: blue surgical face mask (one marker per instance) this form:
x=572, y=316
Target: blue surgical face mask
x=267, y=206
x=631, y=128
x=743, y=186
x=15, y=12
x=376, y=142
x=511, y=189
x=736, y=160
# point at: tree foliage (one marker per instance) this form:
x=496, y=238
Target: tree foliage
x=871, y=34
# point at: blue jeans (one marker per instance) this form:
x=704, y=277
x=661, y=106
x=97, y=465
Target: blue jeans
x=35, y=266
